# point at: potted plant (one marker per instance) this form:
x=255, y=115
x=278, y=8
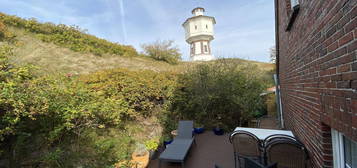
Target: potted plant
x=199, y=129
x=140, y=157
x=167, y=140
x=218, y=128
x=151, y=146
x=125, y=164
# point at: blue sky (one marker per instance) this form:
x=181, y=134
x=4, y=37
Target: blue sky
x=244, y=29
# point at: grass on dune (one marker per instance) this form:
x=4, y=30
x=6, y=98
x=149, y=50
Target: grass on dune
x=51, y=58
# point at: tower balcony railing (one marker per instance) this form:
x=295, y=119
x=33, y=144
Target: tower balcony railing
x=204, y=33
x=198, y=37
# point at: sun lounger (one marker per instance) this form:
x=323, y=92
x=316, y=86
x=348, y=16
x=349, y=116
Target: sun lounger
x=177, y=151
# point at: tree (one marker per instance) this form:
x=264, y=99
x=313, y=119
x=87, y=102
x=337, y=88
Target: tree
x=272, y=51
x=223, y=93
x=163, y=51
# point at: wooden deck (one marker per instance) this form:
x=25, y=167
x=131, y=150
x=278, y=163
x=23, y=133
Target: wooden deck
x=212, y=150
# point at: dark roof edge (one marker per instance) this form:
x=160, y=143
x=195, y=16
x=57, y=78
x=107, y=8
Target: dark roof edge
x=214, y=20
x=198, y=8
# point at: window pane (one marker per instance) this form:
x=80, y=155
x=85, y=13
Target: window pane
x=350, y=148
x=347, y=149
x=354, y=153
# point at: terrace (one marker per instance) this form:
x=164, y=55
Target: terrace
x=211, y=150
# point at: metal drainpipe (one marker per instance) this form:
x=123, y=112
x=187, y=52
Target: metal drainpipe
x=277, y=77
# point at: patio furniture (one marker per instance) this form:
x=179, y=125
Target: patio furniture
x=245, y=144
x=250, y=163
x=264, y=133
x=178, y=149
x=185, y=130
x=288, y=153
x=277, y=136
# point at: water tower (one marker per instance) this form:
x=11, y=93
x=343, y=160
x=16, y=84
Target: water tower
x=199, y=34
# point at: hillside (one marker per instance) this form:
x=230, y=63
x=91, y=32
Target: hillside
x=60, y=48
x=55, y=58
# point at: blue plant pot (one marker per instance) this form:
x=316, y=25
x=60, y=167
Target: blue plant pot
x=199, y=130
x=218, y=131
x=167, y=142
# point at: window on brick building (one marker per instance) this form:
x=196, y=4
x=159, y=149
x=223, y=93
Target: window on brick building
x=206, y=48
x=350, y=152
x=294, y=3
x=344, y=151
x=292, y=10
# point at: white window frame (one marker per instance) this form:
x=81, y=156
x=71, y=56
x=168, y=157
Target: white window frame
x=338, y=149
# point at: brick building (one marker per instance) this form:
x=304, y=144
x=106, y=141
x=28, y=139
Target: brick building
x=316, y=43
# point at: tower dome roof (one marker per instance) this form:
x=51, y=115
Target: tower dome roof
x=198, y=8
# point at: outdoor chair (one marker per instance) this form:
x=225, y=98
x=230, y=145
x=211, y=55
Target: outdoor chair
x=178, y=149
x=245, y=144
x=287, y=153
x=250, y=163
x=277, y=136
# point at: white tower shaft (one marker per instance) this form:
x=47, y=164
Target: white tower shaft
x=199, y=34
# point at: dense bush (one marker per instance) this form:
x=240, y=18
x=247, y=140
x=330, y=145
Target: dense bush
x=163, y=51
x=70, y=121
x=222, y=94
x=68, y=36
x=6, y=35
x=142, y=90
x=2, y=30
x=44, y=119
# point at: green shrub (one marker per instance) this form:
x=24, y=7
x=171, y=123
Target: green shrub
x=151, y=145
x=142, y=90
x=163, y=51
x=2, y=30
x=221, y=94
x=71, y=121
x=6, y=35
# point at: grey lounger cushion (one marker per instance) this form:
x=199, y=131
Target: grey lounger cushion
x=185, y=129
x=177, y=151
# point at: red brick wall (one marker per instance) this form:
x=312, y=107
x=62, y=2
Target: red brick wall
x=318, y=73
